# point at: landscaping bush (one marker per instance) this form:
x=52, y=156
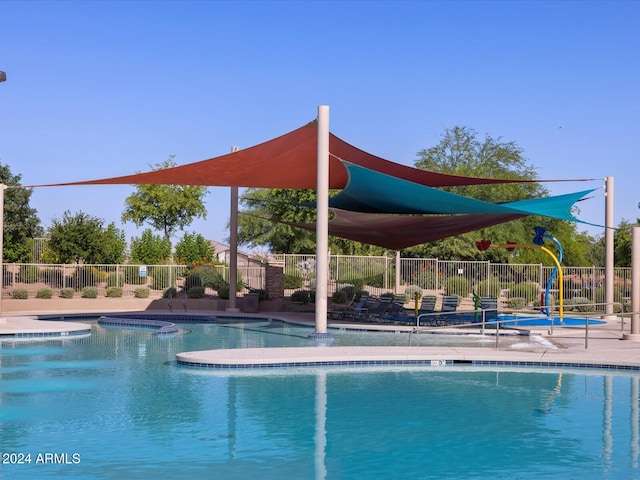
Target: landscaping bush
x=192, y=280
x=223, y=292
x=457, y=285
x=141, y=292
x=90, y=292
x=67, y=292
x=301, y=296
x=44, y=293
x=29, y=274
x=492, y=286
x=339, y=296
x=530, y=291
x=582, y=304
x=292, y=281
x=114, y=292
x=115, y=279
x=170, y=292
x=515, y=302
x=20, y=293
x=262, y=293
x=195, y=292
x=410, y=293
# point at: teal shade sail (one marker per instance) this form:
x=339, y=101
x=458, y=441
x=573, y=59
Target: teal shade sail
x=369, y=191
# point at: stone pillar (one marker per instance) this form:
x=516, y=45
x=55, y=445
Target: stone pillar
x=274, y=281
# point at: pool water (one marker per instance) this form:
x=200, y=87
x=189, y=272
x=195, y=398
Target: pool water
x=114, y=405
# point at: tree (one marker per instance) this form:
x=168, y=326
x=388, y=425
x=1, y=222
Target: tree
x=166, y=208
x=21, y=223
x=150, y=249
x=81, y=238
x=461, y=152
x=255, y=227
x=194, y=248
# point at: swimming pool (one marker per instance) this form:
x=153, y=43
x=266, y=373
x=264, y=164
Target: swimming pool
x=115, y=405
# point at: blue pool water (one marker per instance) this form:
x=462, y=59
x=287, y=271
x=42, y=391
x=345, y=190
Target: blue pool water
x=509, y=320
x=114, y=405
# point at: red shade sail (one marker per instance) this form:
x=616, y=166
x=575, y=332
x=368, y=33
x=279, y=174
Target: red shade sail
x=288, y=161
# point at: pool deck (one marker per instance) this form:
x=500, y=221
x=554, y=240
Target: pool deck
x=607, y=347
x=30, y=326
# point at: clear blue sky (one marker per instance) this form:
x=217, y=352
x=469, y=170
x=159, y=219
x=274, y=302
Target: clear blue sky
x=99, y=89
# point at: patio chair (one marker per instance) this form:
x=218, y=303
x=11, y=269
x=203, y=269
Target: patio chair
x=361, y=309
x=447, y=314
x=338, y=313
x=489, y=306
x=378, y=312
x=355, y=309
x=427, y=304
x=395, y=313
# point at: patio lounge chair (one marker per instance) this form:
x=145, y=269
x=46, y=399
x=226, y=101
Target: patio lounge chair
x=338, y=313
x=447, y=314
x=358, y=309
x=489, y=307
x=395, y=313
x=378, y=312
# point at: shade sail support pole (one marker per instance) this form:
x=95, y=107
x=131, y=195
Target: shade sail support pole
x=233, y=247
x=322, y=224
x=608, y=248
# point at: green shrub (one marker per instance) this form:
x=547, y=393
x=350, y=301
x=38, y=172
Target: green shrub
x=90, y=292
x=301, y=296
x=170, y=292
x=339, y=296
x=514, y=302
x=44, y=293
x=425, y=278
x=530, y=291
x=195, y=292
x=262, y=293
x=29, y=273
x=376, y=281
x=292, y=280
x=582, y=304
x=410, y=293
x=114, y=292
x=141, y=292
x=192, y=280
x=223, y=292
x=115, y=279
x=490, y=288
x=20, y=293
x=67, y=292
x=457, y=285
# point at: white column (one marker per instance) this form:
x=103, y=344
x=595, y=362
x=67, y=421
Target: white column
x=2, y=189
x=609, y=224
x=635, y=286
x=322, y=222
x=396, y=288
x=233, y=248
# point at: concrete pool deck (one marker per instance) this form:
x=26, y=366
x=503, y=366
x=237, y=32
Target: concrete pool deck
x=607, y=346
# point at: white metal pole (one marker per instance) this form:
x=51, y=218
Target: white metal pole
x=233, y=247
x=322, y=222
x=608, y=247
x=635, y=285
x=2, y=189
